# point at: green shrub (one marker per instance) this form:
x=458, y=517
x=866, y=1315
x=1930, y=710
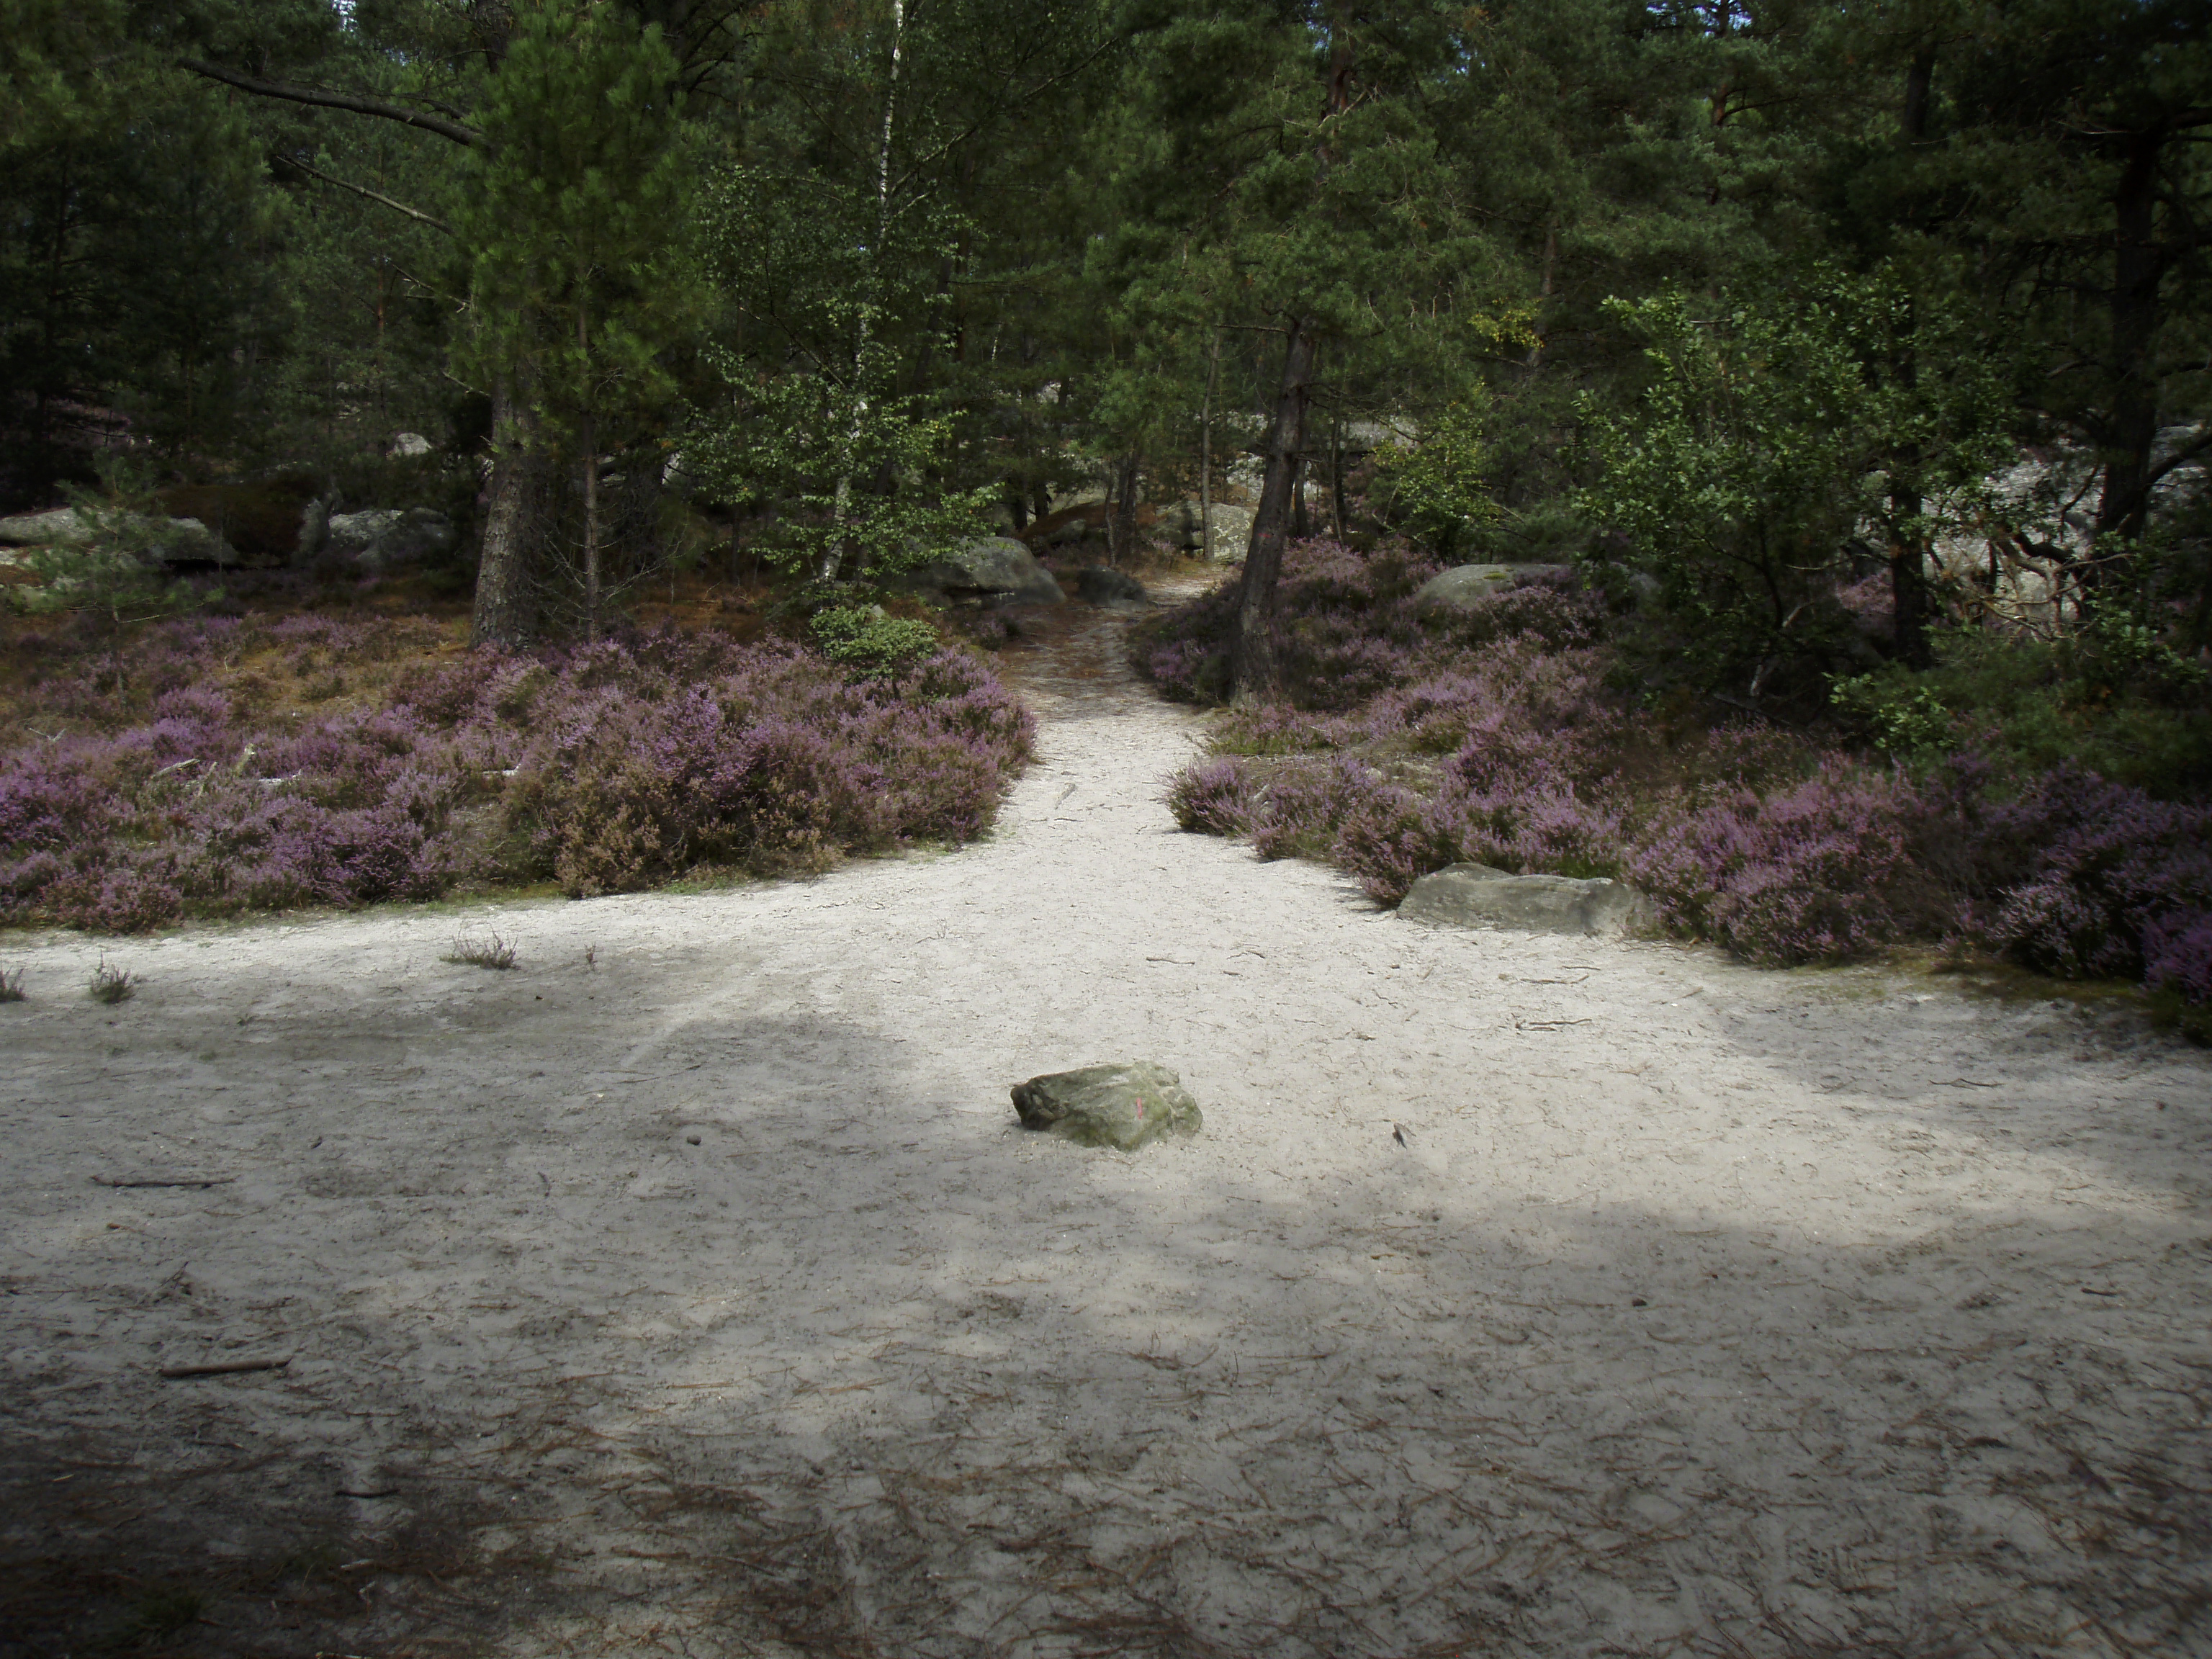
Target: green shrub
x=873, y=643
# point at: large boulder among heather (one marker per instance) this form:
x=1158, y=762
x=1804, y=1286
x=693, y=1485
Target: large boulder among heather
x=161, y=541
x=1465, y=586
x=1478, y=896
x=1125, y=1104
x=994, y=569
x=387, y=539
x=59, y=528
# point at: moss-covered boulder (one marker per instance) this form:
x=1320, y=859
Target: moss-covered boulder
x=1126, y=1105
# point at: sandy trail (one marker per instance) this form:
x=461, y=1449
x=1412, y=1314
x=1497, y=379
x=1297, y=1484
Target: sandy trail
x=689, y=1289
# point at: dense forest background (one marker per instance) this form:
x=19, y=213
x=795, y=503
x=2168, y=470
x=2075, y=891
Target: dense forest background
x=793, y=256
x=1855, y=353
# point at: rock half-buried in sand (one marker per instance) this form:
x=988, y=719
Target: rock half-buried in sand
x=1477, y=896
x=1123, y=1105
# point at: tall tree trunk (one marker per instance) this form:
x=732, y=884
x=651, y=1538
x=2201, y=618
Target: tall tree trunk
x=1908, y=566
x=2138, y=267
x=589, y=433
x=1122, y=518
x=506, y=604
x=843, y=552
x=1544, y=292
x=1205, y=448
x=1908, y=551
x=1254, y=671
x=1336, y=471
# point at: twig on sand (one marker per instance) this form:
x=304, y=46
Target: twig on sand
x=225, y=1368
x=164, y=1181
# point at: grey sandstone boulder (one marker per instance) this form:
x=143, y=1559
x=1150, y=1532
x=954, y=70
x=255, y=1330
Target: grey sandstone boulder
x=1465, y=586
x=1125, y=1105
x=996, y=569
x=172, y=541
x=1232, y=529
x=1103, y=586
x=385, y=538
x=188, y=541
x=1477, y=896
x=59, y=528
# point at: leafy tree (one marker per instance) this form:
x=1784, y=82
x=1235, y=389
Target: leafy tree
x=1769, y=433
x=1439, y=484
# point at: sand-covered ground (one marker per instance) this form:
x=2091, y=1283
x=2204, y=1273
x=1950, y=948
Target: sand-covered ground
x=689, y=1288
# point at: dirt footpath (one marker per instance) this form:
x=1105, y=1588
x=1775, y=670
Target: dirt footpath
x=689, y=1289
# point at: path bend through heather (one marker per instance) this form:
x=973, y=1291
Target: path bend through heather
x=688, y=1289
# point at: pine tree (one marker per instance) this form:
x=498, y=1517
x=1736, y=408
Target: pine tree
x=573, y=219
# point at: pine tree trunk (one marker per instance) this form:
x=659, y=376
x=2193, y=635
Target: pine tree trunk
x=1908, y=572
x=2138, y=269
x=1205, y=450
x=1908, y=553
x=1254, y=671
x=1121, y=529
x=589, y=433
x=506, y=601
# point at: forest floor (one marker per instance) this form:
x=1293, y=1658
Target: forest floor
x=689, y=1288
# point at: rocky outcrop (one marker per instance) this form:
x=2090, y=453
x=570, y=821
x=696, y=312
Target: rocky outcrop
x=1232, y=529
x=1124, y=1104
x=1477, y=896
x=1465, y=586
x=996, y=570
x=59, y=528
x=387, y=538
x=163, y=541
x=1102, y=585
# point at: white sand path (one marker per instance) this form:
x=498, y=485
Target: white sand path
x=703, y=1298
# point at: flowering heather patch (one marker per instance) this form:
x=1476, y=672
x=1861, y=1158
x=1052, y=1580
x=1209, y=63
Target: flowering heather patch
x=1498, y=738
x=220, y=767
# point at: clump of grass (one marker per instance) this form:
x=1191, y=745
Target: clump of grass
x=163, y=1612
x=112, y=985
x=489, y=952
x=11, y=986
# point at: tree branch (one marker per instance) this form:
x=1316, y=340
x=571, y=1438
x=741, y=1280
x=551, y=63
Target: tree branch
x=2180, y=459
x=345, y=100
x=416, y=214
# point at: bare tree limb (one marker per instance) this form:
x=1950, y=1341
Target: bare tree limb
x=381, y=200
x=323, y=99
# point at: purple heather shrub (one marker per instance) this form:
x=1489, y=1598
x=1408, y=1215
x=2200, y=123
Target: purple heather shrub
x=2090, y=872
x=1394, y=837
x=1303, y=806
x=2178, y=956
x=1822, y=873
x=773, y=763
x=1218, y=797
x=1745, y=832
x=610, y=765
